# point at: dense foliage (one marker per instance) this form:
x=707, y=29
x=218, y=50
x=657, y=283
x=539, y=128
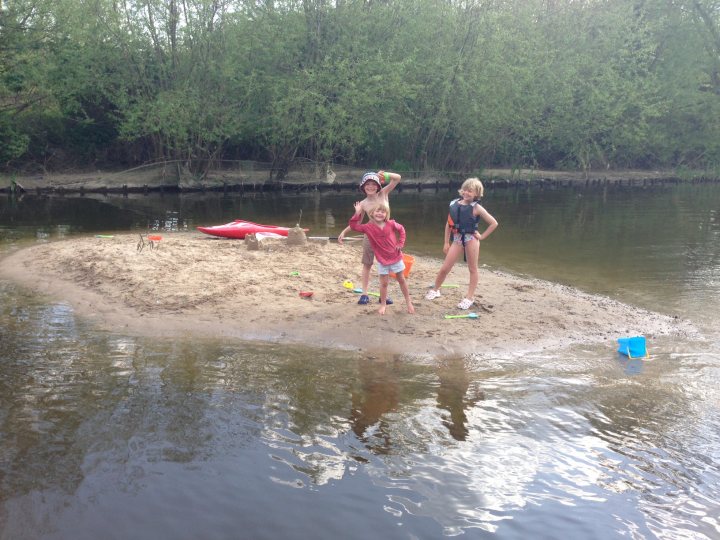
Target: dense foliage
x=417, y=84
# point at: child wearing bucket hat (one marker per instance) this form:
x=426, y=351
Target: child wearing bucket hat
x=376, y=186
x=372, y=177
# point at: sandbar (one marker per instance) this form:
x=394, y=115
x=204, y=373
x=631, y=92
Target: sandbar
x=190, y=284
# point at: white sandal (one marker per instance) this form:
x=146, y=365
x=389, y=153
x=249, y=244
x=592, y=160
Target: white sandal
x=465, y=303
x=432, y=294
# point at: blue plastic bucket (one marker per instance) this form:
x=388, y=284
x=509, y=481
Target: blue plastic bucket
x=632, y=347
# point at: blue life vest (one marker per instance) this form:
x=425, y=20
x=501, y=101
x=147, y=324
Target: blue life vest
x=461, y=218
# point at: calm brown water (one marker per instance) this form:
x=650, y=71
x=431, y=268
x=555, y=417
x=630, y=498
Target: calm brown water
x=104, y=435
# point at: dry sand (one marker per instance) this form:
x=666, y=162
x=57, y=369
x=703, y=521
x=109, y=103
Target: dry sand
x=191, y=284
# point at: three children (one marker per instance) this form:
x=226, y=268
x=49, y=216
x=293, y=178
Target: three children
x=385, y=238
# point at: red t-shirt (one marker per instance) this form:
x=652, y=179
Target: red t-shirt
x=386, y=241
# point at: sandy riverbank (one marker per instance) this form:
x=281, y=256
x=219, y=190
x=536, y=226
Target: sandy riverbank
x=192, y=284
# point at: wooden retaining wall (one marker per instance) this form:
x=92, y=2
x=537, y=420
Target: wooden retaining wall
x=287, y=187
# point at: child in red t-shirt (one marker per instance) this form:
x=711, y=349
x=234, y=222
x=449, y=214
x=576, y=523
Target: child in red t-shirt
x=387, y=238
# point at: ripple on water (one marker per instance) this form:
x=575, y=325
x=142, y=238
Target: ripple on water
x=567, y=441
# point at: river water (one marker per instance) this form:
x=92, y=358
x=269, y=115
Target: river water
x=105, y=435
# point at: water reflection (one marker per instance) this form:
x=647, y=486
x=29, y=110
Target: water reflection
x=466, y=446
x=172, y=222
x=453, y=396
x=39, y=418
x=377, y=395
x=631, y=366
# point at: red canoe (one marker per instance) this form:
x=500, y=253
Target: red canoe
x=240, y=228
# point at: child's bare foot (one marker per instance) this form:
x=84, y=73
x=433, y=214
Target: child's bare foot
x=411, y=308
x=381, y=311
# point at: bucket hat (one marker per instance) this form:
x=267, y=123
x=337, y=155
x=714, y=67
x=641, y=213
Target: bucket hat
x=370, y=177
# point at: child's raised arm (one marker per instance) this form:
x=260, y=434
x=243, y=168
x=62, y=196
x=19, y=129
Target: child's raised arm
x=392, y=178
x=358, y=210
x=354, y=223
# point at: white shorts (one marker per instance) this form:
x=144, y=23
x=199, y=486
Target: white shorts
x=385, y=269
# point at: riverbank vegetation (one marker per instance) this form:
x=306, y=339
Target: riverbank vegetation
x=413, y=84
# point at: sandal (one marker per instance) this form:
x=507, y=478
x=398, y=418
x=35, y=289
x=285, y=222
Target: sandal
x=364, y=299
x=465, y=303
x=432, y=294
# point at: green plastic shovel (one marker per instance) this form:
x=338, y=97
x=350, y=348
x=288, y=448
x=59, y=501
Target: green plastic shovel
x=359, y=291
x=465, y=316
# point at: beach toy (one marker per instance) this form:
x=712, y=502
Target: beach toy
x=335, y=238
x=306, y=294
x=632, y=347
x=359, y=291
x=154, y=237
x=348, y=285
x=408, y=260
x=450, y=285
x=464, y=316
x=296, y=273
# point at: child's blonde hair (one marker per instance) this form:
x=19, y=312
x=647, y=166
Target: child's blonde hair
x=382, y=205
x=473, y=184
